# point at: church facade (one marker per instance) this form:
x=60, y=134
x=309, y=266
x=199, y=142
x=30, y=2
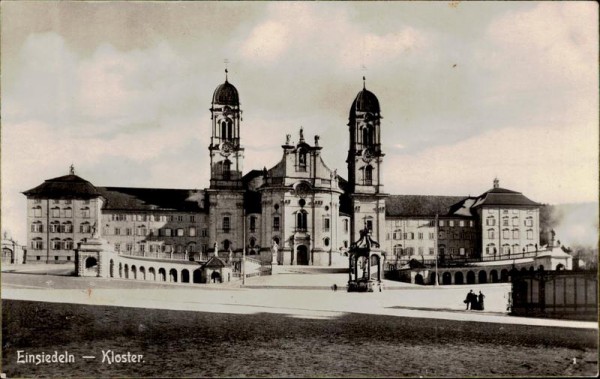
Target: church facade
x=298, y=212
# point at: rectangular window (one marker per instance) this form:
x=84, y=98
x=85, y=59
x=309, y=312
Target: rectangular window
x=431, y=251
x=276, y=223
x=117, y=247
x=192, y=218
x=117, y=231
x=171, y=218
x=442, y=235
x=252, y=224
x=420, y=236
x=180, y=218
x=471, y=224
x=142, y=248
x=192, y=231
x=461, y=223
x=491, y=233
x=326, y=225
x=505, y=234
x=129, y=247
x=55, y=212
x=167, y=232
x=127, y=231
x=441, y=223
x=69, y=258
x=226, y=224
x=204, y=233
x=370, y=224
x=37, y=201
x=420, y=250
x=451, y=223
x=530, y=234
x=431, y=236
x=180, y=232
x=85, y=212
x=515, y=234
x=157, y=218
x=462, y=251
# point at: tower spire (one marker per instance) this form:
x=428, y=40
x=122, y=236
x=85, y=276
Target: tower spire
x=364, y=82
x=226, y=74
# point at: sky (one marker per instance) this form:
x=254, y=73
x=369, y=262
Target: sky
x=469, y=91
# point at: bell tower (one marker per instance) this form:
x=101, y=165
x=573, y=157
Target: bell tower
x=365, y=159
x=226, y=153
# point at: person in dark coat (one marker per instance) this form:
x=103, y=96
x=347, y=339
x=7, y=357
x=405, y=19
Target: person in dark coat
x=480, y=301
x=469, y=300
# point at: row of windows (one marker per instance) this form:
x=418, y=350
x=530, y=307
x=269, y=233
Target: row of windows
x=510, y=249
x=147, y=217
x=164, y=232
x=55, y=244
x=143, y=247
x=401, y=251
x=39, y=201
x=57, y=227
x=491, y=221
x=453, y=223
x=64, y=212
x=506, y=234
x=456, y=235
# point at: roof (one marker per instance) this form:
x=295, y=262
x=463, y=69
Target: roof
x=365, y=101
x=64, y=187
x=419, y=205
x=215, y=262
x=226, y=94
x=122, y=198
x=503, y=197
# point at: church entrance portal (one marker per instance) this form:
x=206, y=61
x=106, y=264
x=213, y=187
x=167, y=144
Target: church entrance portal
x=302, y=256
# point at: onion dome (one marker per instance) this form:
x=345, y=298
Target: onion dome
x=365, y=101
x=226, y=94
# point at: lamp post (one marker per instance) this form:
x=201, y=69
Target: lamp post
x=435, y=246
x=243, y=247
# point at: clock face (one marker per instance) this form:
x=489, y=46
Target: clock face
x=367, y=155
x=302, y=190
x=226, y=149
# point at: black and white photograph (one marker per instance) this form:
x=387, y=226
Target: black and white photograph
x=299, y=189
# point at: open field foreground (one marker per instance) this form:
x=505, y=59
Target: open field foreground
x=180, y=343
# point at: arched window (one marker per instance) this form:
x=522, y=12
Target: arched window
x=346, y=223
x=56, y=212
x=37, y=211
x=367, y=135
x=226, y=245
x=398, y=250
x=368, y=175
x=515, y=233
x=491, y=234
x=490, y=221
x=252, y=242
x=224, y=130
x=505, y=249
x=68, y=212
x=55, y=243
x=252, y=223
x=85, y=212
x=67, y=227
x=68, y=244
x=37, y=227
x=301, y=218
x=505, y=233
x=37, y=243
x=326, y=241
x=229, y=129
x=85, y=227
x=191, y=247
x=302, y=159
x=397, y=234
x=54, y=227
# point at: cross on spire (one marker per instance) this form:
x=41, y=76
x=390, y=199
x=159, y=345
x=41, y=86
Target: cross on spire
x=226, y=61
x=72, y=170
